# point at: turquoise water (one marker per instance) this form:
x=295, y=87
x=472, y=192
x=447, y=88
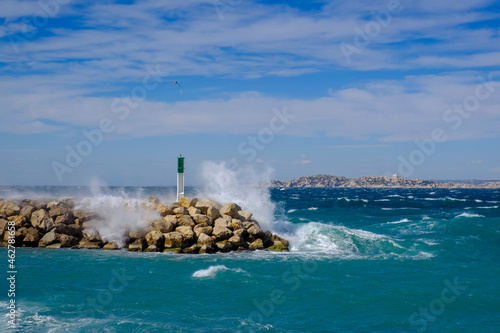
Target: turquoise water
x=362, y=260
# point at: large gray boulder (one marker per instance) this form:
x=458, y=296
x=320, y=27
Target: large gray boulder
x=49, y=238
x=42, y=221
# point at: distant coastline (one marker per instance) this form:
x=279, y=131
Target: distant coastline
x=394, y=181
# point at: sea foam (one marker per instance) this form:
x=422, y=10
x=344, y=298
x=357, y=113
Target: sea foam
x=212, y=271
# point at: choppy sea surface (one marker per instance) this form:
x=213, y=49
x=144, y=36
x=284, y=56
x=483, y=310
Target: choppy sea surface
x=361, y=260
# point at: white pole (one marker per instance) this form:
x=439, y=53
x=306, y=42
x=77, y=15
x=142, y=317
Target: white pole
x=180, y=177
x=180, y=186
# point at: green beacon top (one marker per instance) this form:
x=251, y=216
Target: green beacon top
x=180, y=164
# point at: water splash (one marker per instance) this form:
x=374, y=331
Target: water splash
x=242, y=186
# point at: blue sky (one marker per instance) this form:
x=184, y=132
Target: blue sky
x=287, y=88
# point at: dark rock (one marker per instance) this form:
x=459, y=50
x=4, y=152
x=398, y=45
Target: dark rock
x=66, y=218
x=68, y=241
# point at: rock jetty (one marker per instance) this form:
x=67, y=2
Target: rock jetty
x=187, y=226
x=374, y=182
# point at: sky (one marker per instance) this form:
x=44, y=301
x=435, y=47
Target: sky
x=286, y=88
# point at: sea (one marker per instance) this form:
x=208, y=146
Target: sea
x=360, y=260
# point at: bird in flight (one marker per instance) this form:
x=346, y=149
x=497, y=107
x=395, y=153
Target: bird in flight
x=177, y=83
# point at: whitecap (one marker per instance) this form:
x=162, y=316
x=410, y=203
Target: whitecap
x=291, y=210
x=212, y=271
x=312, y=208
x=400, y=221
x=469, y=215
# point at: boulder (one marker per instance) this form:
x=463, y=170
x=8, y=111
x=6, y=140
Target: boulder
x=86, y=244
x=185, y=220
x=164, y=210
x=138, y=245
x=10, y=208
x=155, y=238
x=187, y=232
x=162, y=225
x=278, y=247
x=213, y=213
x=241, y=232
x=42, y=221
x=181, y=211
x=171, y=219
x=173, y=250
x=19, y=235
x=206, y=249
x=26, y=211
x=202, y=229
x=174, y=239
x=51, y=204
x=193, y=211
x=244, y=216
x=91, y=235
x=187, y=202
x=225, y=246
x=4, y=225
x=236, y=224
x=257, y=244
x=283, y=241
x=205, y=204
x=237, y=240
x=255, y=230
x=195, y=248
x=54, y=246
x=204, y=239
x=224, y=221
x=32, y=237
x=68, y=202
x=200, y=218
x=19, y=221
x=71, y=230
x=231, y=209
x=222, y=233
x=152, y=248
x=85, y=216
x=49, y=238
x=58, y=210
x=111, y=246
x=66, y=218
x=68, y=241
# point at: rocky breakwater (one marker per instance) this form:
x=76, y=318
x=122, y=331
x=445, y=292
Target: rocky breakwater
x=187, y=226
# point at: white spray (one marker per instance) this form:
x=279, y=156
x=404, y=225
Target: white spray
x=242, y=186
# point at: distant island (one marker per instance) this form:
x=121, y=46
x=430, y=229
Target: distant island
x=377, y=182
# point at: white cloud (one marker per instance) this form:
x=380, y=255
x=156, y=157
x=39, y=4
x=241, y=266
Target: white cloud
x=376, y=110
